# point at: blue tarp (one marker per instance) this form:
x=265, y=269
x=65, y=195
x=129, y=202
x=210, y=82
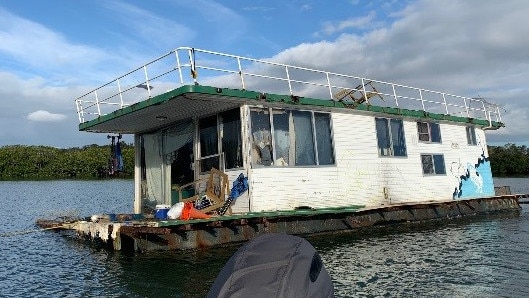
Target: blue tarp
x=240, y=185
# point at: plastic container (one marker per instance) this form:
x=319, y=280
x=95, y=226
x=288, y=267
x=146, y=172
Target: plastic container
x=161, y=211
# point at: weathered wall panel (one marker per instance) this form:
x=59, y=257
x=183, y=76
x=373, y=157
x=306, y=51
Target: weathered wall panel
x=362, y=177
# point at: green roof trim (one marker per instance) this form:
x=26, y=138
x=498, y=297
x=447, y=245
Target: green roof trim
x=159, y=99
x=283, y=99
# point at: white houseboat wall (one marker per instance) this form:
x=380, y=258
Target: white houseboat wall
x=363, y=142
x=318, y=158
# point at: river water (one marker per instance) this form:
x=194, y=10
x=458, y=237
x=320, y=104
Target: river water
x=477, y=257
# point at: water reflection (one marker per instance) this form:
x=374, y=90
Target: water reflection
x=463, y=258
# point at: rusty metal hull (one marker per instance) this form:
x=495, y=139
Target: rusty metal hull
x=178, y=235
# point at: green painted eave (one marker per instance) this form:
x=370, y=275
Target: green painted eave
x=156, y=100
x=252, y=97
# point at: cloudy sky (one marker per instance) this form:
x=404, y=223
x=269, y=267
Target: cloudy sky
x=54, y=51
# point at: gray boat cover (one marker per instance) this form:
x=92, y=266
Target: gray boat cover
x=274, y=265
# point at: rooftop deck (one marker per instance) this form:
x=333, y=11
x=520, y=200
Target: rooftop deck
x=189, y=66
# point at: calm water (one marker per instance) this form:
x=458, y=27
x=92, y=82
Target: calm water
x=484, y=257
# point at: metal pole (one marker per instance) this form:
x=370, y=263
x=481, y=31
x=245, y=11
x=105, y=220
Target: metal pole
x=422, y=100
x=193, y=66
x=97, y=104
x=147, y=80
x=395, y=95
x=485, y=110
x=446, y=105
x=240, y=73
x=120, y=93
x=466, y=106
x=364, y=90
x=329, y=84
x=288, y=79
x=79, y=110
x=179, y=67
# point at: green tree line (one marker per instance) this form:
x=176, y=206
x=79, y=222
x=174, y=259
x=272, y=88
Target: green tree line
x=509, y=160
x=42, y=162
x=92, y=161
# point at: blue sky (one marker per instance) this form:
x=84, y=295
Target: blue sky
x=53, y=51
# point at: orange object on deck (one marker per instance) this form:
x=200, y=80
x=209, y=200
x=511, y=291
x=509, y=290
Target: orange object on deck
x=190, y=212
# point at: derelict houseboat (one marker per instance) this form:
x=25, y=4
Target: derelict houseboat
x=318, y=151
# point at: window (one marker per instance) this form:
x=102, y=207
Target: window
x=221, y=134
x=390, y=137
x=261, y=137
x=209, y=145
x=304, y=140
x=429, y=132
x=300, y=138
x=231, y=143
x=471, y=135
x=433, y=164
x=322, y=122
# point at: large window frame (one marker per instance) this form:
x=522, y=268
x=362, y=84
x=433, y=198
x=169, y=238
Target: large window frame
x=429, y=132
x=433, y=164
x=391, y=139
x=290, y=137
x=471, y=136
x=220, y=138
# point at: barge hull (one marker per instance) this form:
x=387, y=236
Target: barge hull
x=180, y=235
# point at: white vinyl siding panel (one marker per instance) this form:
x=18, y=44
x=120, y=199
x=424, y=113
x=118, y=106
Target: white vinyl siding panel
x=361, y=176
x=289, y=187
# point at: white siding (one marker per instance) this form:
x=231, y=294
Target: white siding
x=284, y=188
x=360, y=176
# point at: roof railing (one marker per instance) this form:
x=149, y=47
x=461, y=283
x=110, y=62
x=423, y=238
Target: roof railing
x=186, y=66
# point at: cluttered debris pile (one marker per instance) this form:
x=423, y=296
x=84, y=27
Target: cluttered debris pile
x=212, y=204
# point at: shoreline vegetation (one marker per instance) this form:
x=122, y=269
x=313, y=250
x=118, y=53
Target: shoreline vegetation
x=21, y=162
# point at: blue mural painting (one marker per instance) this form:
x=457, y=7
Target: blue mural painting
x=476, y=180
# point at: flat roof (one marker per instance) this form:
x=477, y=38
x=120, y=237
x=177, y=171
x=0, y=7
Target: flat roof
x=190, y=101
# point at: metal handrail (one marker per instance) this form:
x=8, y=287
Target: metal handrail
x=153, y=78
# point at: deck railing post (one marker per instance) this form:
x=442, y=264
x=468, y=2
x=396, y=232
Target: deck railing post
x=466, y=106
x=147, y=80
x=395, y=95
x=179, y=67
x=240, y=73
x=97, y=104
x=120, y=94
x=329, y=84
x=422, y=100
x=485, y=110
x=191, y=53
x=364, y=89
x=446, y=105
x=80, y=114
x=288, y=80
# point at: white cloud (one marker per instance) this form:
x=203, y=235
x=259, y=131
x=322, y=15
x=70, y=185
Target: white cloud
x=35, y=46
x=45, y=116
x=330, y=28
x=469, y=48
x=151, y=28
x=258, y=8
x=465, y=48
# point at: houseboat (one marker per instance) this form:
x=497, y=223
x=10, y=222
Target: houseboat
x=310, y=151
